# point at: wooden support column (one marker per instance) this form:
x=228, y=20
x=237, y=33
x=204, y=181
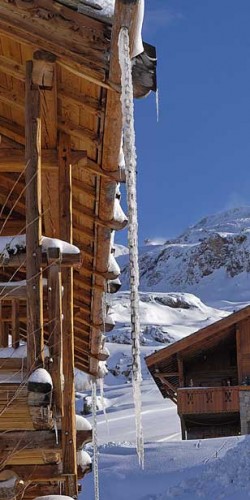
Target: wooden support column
x=180, y=370
x=35, y=341
x=4, y=329
x=55, y=325
x=68, y=420
x=45, y=77
x=15, y=323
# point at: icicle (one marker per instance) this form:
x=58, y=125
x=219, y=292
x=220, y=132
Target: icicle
x=101, y=384
x=95, y=441
x=130, y=169
x=56, y=431
x=157, y=105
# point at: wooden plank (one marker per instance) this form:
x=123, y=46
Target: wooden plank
x=12, y=68
x=11, y=98
x=12, y=130
x=35, y=341
x=87, y=103
x=68, y=420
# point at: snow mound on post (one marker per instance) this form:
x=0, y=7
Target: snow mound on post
x=82, y=424
x=83, y=459
x=55, y=243
x=40, y=376
x=54, y=497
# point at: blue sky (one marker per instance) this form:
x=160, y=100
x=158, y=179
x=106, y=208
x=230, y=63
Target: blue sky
x=196, y=160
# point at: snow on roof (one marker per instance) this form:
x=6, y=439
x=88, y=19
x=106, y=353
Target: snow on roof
x=20, y=352
x=104, y=11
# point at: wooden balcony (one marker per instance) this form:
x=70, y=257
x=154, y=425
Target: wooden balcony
x=205, y=400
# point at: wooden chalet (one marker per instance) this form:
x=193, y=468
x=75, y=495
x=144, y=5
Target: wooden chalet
x=60, y=140
x=207, y=375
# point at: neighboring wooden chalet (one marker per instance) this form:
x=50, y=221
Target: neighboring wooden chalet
x=60, y=140
x=207, y=375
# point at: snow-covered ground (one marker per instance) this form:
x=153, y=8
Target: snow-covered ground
x=208, y=469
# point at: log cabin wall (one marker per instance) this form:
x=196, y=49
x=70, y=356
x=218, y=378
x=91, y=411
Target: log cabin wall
x=243, y=351
x=59, y=97
x=214, y=367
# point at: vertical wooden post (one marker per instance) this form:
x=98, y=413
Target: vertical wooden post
x=45, y=77
x=35, y=341
x=180, y=370
x=55, y=325
x=15, y=324
x=239, y=353
x=4, y=329
x=68, y=420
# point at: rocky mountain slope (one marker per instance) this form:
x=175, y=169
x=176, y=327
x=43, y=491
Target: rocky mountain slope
x=211, y=259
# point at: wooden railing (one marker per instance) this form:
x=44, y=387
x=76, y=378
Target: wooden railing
x=194, y=400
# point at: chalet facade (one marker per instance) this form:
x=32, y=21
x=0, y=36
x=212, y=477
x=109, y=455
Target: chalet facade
x=60, y=169
x=207, y=375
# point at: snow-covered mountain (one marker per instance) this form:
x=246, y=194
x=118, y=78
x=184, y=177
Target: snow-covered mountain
x=211, y=259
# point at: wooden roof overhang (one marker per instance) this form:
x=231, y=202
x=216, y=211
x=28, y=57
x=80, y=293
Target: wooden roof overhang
x=165, y=365
x=78, y=62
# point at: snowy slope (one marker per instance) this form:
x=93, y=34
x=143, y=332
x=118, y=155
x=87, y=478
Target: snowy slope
x=210, y=259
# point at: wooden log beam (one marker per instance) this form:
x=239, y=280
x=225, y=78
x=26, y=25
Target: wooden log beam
x=39, y=473
x=88, y=213
x=68, y=420
x=20, y=260
x=13, y=160
x=30, y=440
x=35, y=340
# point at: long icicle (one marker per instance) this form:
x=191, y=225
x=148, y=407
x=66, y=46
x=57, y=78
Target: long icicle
x=130, y=169
x=95, y=441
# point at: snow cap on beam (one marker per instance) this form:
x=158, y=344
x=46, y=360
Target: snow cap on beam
x=54, y=497
x=113, y=285
x=113, y=268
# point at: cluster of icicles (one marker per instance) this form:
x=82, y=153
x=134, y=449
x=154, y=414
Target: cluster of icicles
x=130, y=170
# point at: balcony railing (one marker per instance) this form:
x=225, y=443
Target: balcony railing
x=194, y=400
